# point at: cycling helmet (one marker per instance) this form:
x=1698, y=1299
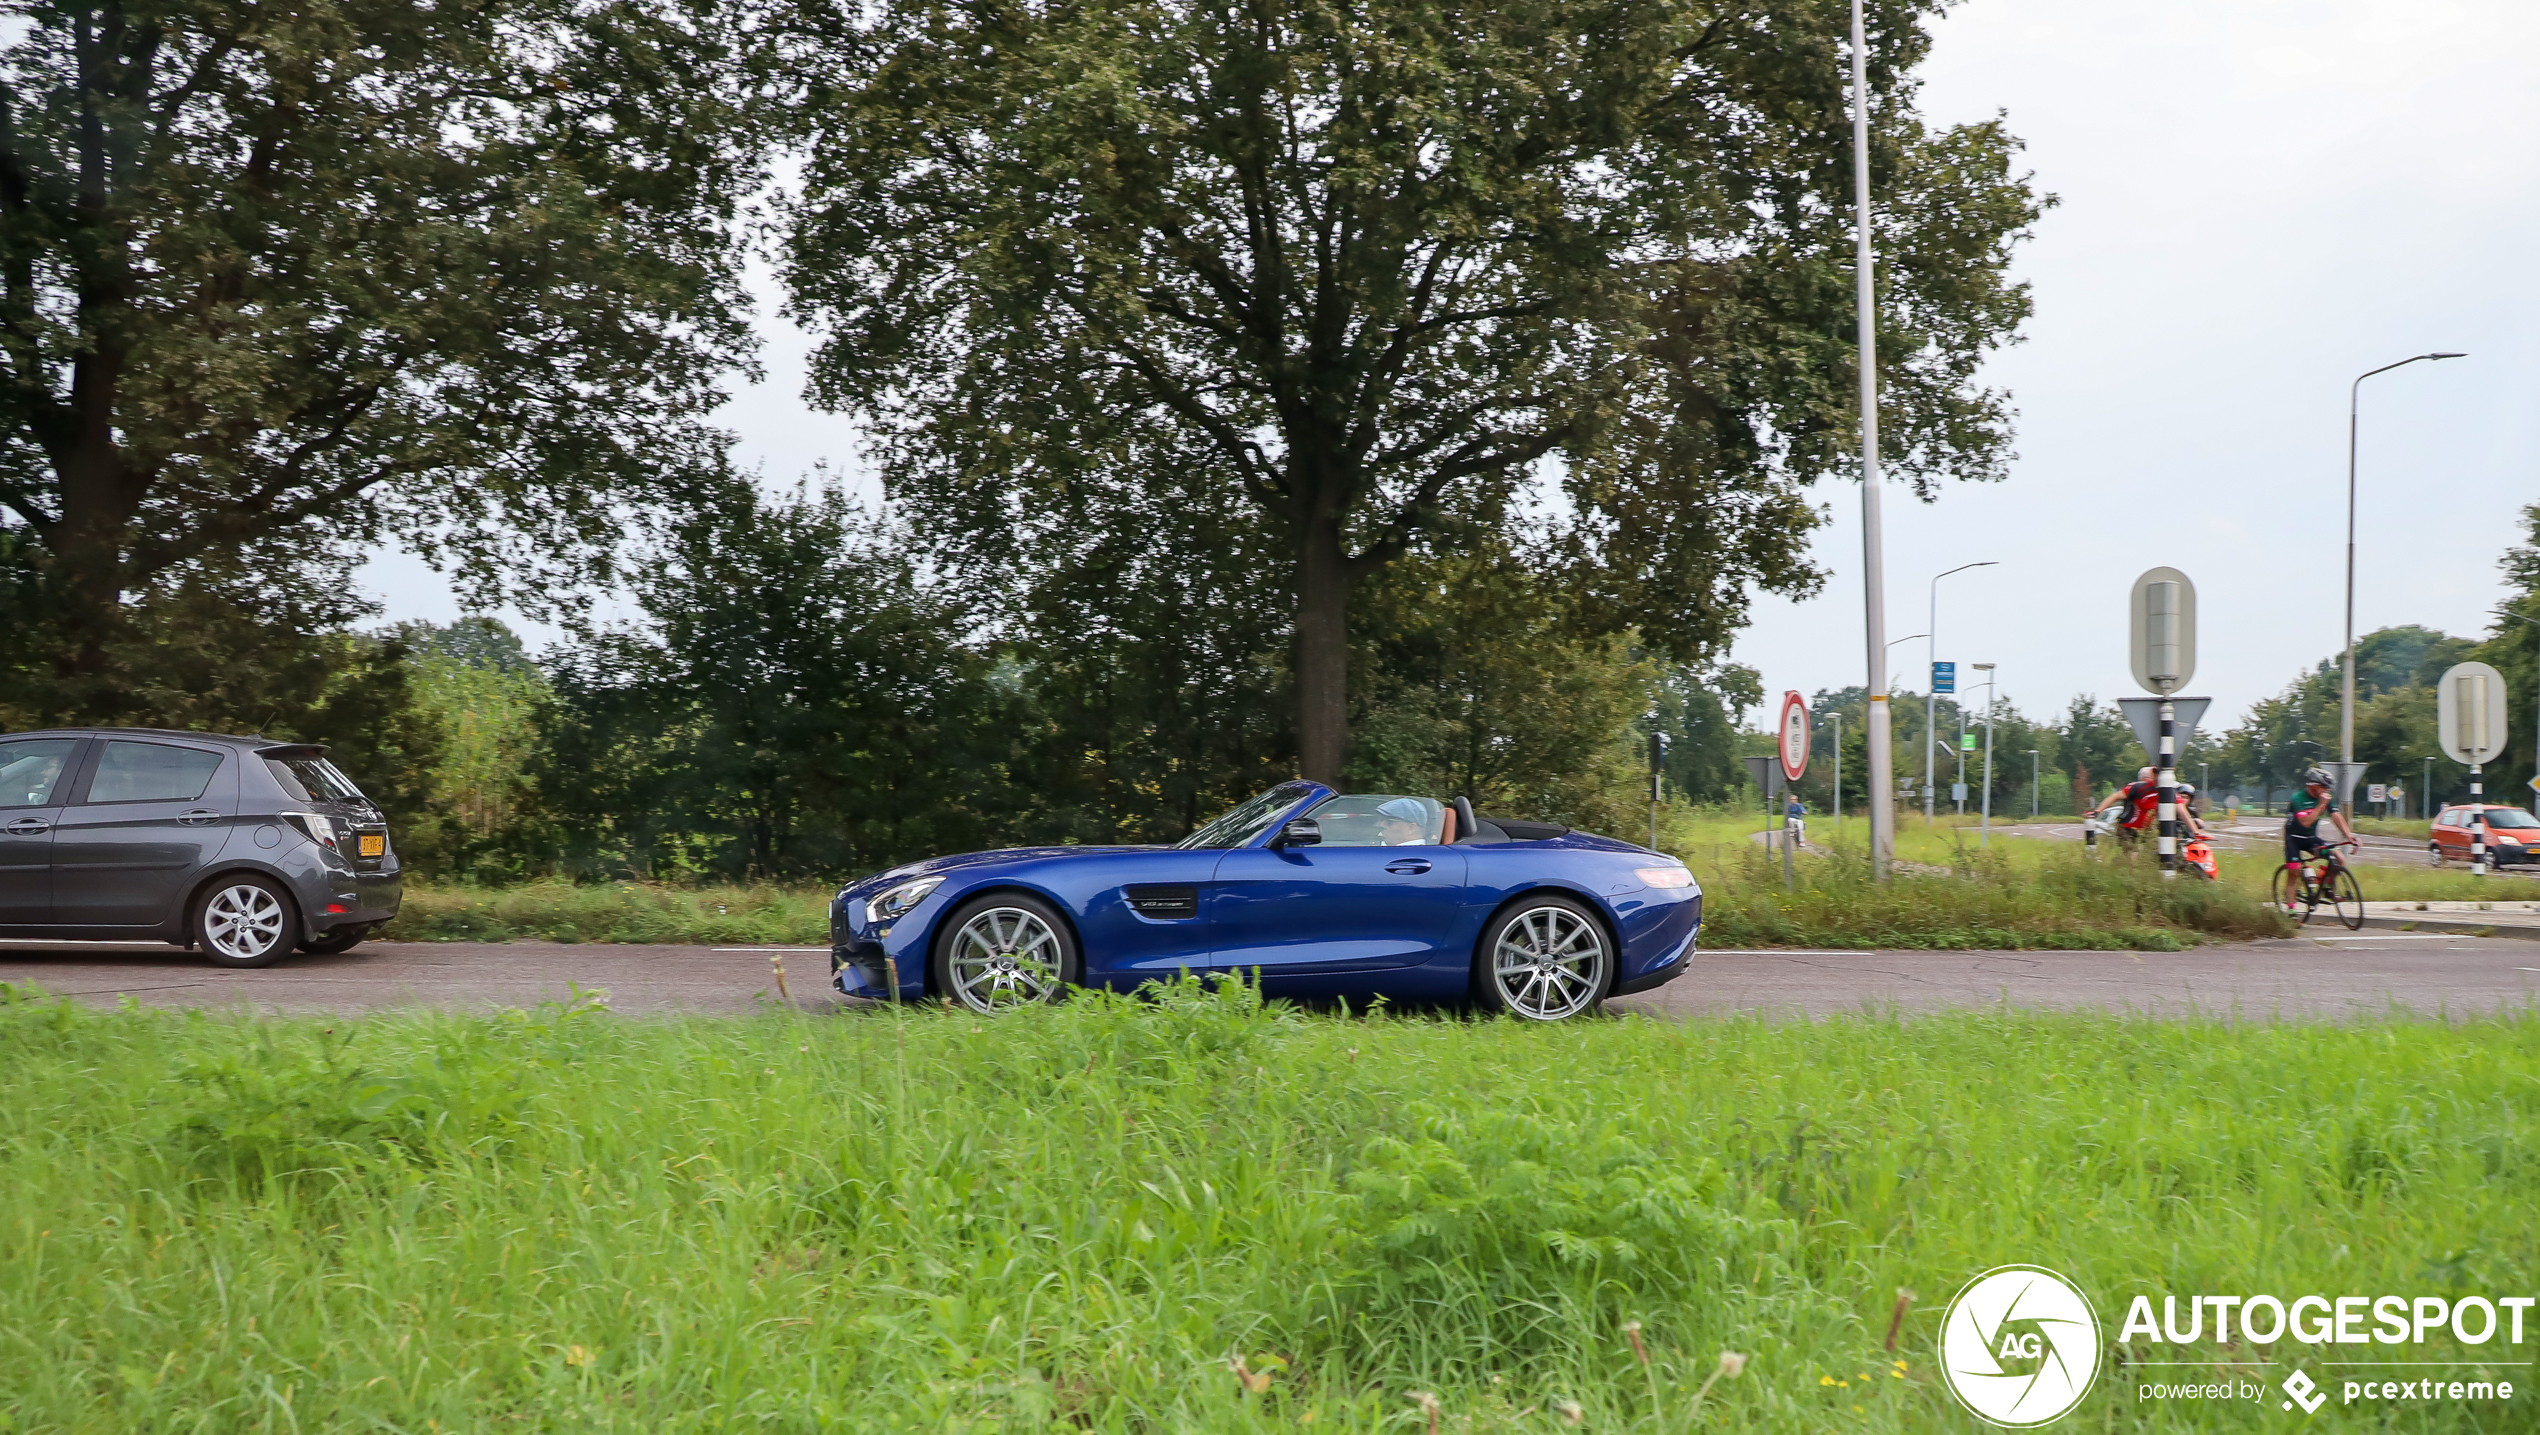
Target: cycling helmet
x=2318, y=775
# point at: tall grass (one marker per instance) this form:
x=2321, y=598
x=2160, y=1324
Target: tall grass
x=2007, y=895
x=1080, y=1219
x=558, y=911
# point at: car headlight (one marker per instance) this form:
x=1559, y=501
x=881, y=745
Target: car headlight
x=1664, y=876
x=899, y=899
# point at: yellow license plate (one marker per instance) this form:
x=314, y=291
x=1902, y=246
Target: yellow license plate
x=374, y=845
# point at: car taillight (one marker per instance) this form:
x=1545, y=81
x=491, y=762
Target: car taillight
x=318, y=827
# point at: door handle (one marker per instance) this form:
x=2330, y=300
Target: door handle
x=1407, y=866
x=199, y=817
x=28, y=827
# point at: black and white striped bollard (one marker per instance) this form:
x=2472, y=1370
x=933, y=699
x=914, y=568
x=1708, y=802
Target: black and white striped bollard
x=2169, y=788
x=2477, y=826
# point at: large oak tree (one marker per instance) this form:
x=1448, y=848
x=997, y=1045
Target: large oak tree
x=277, y=272
x=1378, y=272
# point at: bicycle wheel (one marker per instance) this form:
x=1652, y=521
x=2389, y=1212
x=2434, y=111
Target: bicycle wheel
x=2347, y=896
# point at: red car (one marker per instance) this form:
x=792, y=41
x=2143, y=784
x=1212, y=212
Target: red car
x=2513, y=835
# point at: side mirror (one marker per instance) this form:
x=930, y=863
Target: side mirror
x=1300, y=832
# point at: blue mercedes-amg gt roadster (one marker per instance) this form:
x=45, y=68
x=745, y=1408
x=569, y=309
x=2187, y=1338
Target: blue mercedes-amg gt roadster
x=1311, y=892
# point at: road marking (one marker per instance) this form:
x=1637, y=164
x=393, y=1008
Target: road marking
x=767, y=949
x=2399, y=937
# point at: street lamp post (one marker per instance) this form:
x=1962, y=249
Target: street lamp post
x=1986, y=824
x=1873, y=547
x=1931, y=694
x=2032, y=784
x=2346, y=708
x=1837, y=720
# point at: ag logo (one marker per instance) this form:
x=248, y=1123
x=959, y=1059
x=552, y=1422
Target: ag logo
x=2019, y=1346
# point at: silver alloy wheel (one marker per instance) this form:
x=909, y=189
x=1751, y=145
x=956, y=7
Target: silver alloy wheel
x=1005, y=957
x=243, y=922
x=1549, y=963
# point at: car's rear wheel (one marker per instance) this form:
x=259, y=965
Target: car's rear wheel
x=244, y=922
x=2434, y=853
x=1545, y=959
x=1005, y=950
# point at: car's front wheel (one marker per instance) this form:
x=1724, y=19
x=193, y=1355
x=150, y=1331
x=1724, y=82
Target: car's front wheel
x=244, y=922
x=1545, y=959
x=1005, y=950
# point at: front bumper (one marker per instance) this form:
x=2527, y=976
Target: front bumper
x=861, y=958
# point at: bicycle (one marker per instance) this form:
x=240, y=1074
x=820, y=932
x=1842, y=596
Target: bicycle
x=2325, y=877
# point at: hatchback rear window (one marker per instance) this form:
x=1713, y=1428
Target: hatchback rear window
x=152, y=772
x=313, y=779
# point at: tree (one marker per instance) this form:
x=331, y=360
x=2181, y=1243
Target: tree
x=2514, y=649
x=1377, y=272
x=1475, y=681
x=795, y=701
x=477, y=681
x=315, y=274
x=2099, y=750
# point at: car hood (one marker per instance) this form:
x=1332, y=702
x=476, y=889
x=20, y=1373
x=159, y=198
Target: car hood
x=959, y=860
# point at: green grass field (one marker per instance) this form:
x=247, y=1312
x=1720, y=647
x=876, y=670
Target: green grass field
x=563, y=1220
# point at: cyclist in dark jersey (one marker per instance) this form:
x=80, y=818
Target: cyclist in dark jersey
x=2302, y=819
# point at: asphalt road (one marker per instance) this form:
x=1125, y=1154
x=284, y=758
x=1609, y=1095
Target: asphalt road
x=2361, y=974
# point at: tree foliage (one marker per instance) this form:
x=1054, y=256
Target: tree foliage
x=1374, y=273
x=276, y=278
x=794, y=700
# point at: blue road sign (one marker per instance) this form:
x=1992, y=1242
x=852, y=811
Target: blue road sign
x=1944, y=677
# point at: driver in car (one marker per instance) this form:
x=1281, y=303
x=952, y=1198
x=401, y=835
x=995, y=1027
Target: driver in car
x=1402, y=822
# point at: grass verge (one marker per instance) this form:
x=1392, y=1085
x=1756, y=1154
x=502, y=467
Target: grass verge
x=1955, y=894
x=1081, y=1219
x=615, y=912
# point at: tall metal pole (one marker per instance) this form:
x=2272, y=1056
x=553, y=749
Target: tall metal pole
x=2346, y=706
x=2167, y=791
x=1880, y=758
x=2032, y=784
x=1987, y=821
x=1931, y=690
x=1837, y=720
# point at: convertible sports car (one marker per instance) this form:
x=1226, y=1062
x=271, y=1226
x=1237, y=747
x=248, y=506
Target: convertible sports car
x=1311, y=892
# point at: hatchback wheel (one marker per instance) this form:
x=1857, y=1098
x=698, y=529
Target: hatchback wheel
x=244, y=922
x=1545, y=960
x=1005, y=950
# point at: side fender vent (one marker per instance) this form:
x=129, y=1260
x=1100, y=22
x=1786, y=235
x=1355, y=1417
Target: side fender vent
x=1163, y=903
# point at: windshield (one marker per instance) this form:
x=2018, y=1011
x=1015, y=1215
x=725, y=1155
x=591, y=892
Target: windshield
x=2510, y=817
x=314, y=779
x=1243, y=823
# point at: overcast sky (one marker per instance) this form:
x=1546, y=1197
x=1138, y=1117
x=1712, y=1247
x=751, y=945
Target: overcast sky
x=2260, y=200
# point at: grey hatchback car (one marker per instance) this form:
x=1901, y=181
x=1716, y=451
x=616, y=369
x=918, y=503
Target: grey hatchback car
x=241, y=847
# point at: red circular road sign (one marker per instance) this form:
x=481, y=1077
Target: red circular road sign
x=1794, y=736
